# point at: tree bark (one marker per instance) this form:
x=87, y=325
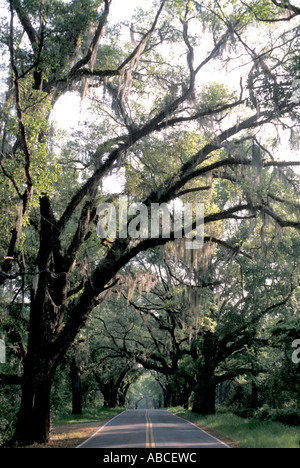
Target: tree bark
x=110, y=394
x=122, y=394
x=167, y=396
x=34, y=415
x=204, y=395
x=76, y=387
x=205, y=389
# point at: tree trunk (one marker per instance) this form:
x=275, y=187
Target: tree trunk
x=254, y=395
x=167, y=396
x=205, y=389
x=183, y=396
x=122, y=399
x=122, y=394
x=76, y=387
x=34, y=416
x=204, y=395
x=184, y=400
x=110, y=394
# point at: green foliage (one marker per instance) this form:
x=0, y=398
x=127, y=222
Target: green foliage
x=266, y=10
x=9, y=410
x=145, y=394
x=66, y=31
x=246, y=433
x=151, y=164
x=181, y=8
x=95, y=414
x=215, y=95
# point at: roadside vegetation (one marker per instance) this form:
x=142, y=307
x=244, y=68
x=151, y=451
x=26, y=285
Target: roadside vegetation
x=245, y=432
x=98, y=415
x=70, y=430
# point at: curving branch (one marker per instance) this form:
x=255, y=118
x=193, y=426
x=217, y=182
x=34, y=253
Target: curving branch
x=27, y=194
x=92, y=50
x=287, y=5
x=295, y=11
x=282, y=222
x=26, y=23
x=77, y=69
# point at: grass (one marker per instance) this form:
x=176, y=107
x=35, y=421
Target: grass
x=89, y=416
x=69, y=431
x=246, y=433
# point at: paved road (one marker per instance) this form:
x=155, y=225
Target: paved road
x=150, y=429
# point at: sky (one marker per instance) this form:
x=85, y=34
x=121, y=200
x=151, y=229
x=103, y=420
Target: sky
x=123, y=9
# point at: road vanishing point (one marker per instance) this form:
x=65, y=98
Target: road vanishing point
x=150, y=429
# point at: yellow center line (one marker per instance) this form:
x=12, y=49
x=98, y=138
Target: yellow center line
x=149, y=432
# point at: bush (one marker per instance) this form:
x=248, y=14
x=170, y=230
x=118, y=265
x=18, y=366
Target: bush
x=291, y=417
x=248, y=433
x=246, y=413
x=262, y=414
x=287, y=416
x=9, y=406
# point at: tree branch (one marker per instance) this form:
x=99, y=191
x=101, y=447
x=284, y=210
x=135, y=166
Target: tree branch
x=92, y=50
x=28, y=192
x=26, y=23
x=193, y=190
x=287, y=5
x=27, y=195
x=141, y=46
x=236, y=250
x=279, y=220
x=75, y=72
x=274, y=20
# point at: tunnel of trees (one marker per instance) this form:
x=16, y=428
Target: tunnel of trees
x=180, y=102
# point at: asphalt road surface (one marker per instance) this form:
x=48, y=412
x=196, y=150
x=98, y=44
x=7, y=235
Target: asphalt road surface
x=150, y=429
